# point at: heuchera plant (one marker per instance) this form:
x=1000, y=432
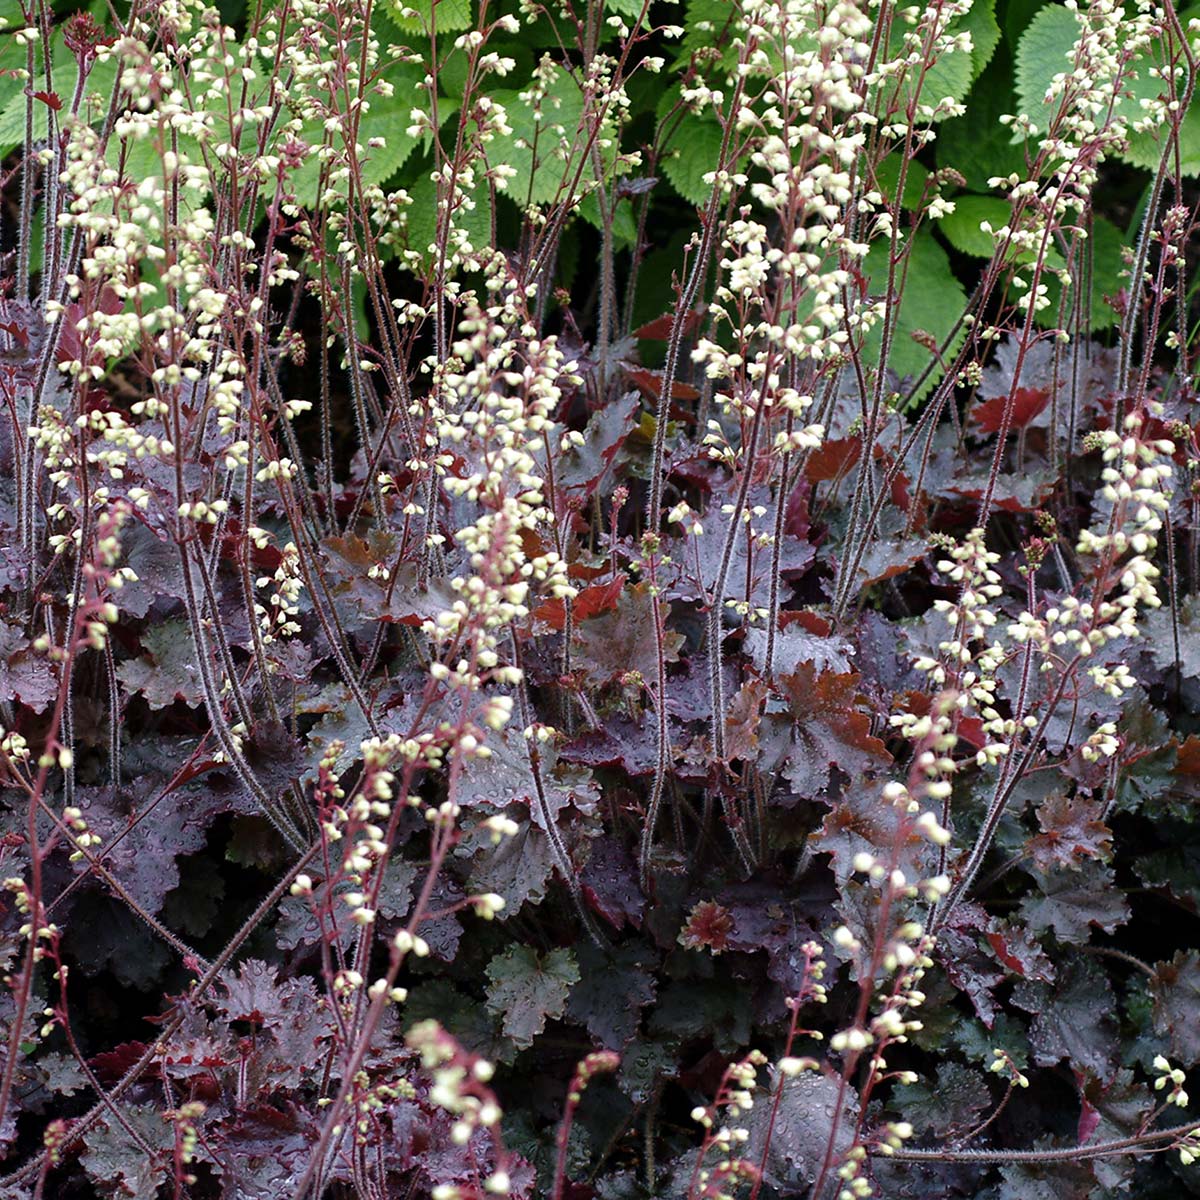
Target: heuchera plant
x=599, y=599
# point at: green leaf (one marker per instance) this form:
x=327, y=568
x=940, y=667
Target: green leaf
x=64, y=76
x=961, y=227
x=981, y=24
x=387, y=118
x=472, y=214
x=710, y=24
x=976, y=144
x=453, y=16
x=948, y=76
x=932, y=300
x=544, y=134
x=1146, y=149
x=1017, y=15
x=1046, y=50
x=887, y=177
x=1101, y=259
x=695, y=149
x=624, y=227
x=629, y=9
x=526, y=990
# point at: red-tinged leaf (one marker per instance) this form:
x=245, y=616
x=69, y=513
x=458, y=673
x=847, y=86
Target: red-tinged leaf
x=1019, y=952
x=796, y=518
x=624, y=639
x=52, y=100
x=834, y=698
x=1089, y=1120
x=743, y=719
x=825, y=743
x=110, y=1065
x=1027, y=405
x=1187, y=762
x=651, y=383
x=707, y=928
x=969, y=729
x=832, y=459
x=15, y=330
x=660, y=328
x=601, y=598
x=1001, y=951
x=581, y=571
x=590, y=602
x=812, y=622
x=967, y=965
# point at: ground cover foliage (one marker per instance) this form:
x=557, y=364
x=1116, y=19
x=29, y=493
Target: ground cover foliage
x=598, y=599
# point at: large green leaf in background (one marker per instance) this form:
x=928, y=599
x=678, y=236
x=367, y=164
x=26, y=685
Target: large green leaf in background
x=976, y=144
x=421, y=215
x=1045, y=50
x=981, y=24
x=453, y=16
x=65, y=75
x=949, y=76
x=1099, y=259
x=542, y=134
x=694, y=150
x=961, y=227
x=933, y=300
x=388, y=118
x=887, y=178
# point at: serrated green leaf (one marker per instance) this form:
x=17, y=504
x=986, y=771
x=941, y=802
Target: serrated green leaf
x=1146, y=149
x=949, y=76
x=981, y=24
x=543, y=135
x=1100, y=261
x=64, y=76
x=631, y=10
x=695, y=150
x=526, y=990
x=961, y=227
x=624, y=227
x=387, y=118
x=887, y=178
x=976, y=144
x=932, y=300
x=1046, y=50
x=472, y=216
x=710, y=23
x=453, y=16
